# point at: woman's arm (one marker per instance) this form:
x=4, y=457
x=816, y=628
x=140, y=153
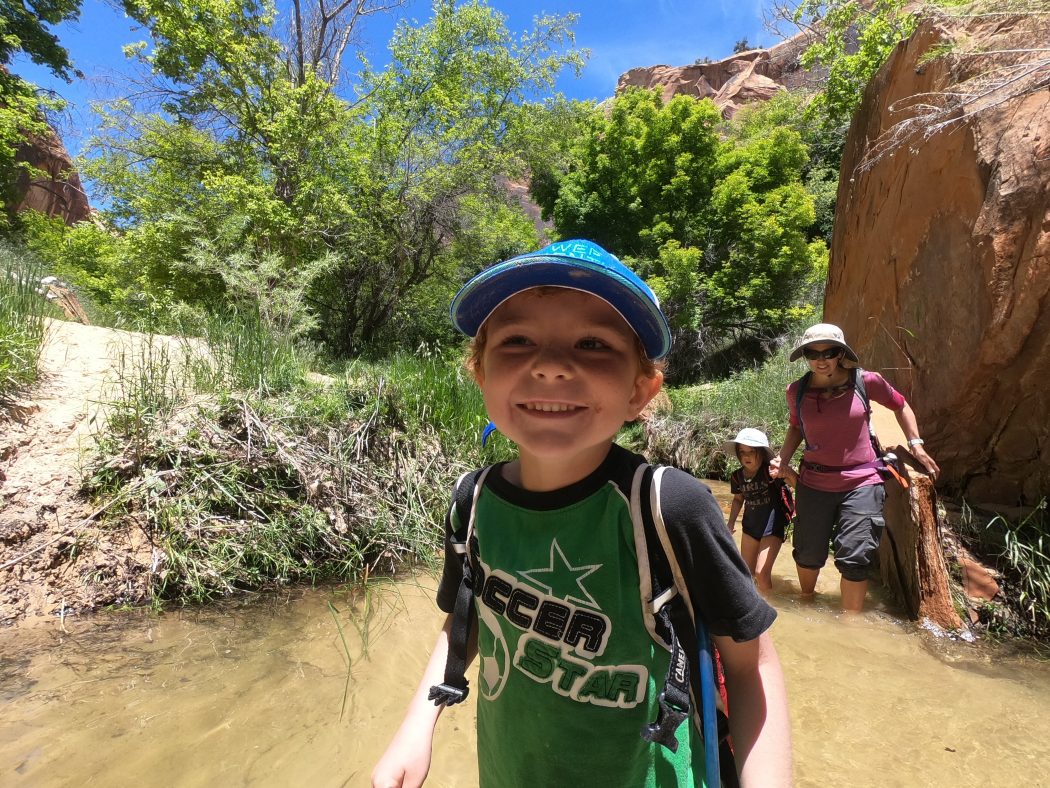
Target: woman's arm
x=407, y=758
x=909, y=425
x=758, y=711
x=780, y=466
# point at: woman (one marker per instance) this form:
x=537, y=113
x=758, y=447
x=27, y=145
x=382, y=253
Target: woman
x=839, y=493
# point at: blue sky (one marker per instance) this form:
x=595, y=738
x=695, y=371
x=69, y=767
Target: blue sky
x=621, y=34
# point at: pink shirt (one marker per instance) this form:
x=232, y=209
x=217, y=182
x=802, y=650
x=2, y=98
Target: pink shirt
x=837, y=432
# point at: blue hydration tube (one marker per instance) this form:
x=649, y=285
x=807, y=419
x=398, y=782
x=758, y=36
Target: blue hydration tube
x=709, y=713
x=489, y=429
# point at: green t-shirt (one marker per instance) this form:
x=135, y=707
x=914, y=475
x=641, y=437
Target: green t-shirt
x=569, y=675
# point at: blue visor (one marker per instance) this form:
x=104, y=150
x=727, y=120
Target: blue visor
x=579, y=265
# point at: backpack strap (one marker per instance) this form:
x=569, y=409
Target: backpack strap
x=719, y=759
x=454, y=688
x=661, y=596
x=857, y=379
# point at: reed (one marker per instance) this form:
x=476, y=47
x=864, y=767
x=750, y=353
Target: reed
x=23, y=319
x=1026, y=555
x=238, y=351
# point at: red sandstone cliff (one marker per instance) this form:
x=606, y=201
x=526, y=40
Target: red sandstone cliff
x=59, y=192
x=755, y=75
x=940, y=262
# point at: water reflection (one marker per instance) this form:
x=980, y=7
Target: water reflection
x=258, y=694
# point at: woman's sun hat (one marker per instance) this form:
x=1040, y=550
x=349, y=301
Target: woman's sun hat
x=825, y=333
x=749, y=436
x=578, y=265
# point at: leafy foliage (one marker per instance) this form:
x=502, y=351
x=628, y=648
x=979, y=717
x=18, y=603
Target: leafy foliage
x=856, y=38
x=22, y=324
x=246, y=179
x=24, y=28
x=722, y=228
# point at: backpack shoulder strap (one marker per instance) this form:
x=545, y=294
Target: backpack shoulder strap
x=455, y=687
x=672, y=620
x=857, y=375
x=659, y=597
x=709, y=685
x=862, y=391
x=800, y=391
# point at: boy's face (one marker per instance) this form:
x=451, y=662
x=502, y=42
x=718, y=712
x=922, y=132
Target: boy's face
x=560, y=374
x=750, y=457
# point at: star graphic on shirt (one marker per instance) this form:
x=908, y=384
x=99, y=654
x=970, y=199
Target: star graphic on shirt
x=567, y=577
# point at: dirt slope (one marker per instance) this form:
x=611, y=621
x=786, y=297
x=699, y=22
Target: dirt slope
x=54, y=560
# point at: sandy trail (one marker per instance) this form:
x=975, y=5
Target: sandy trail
x=52, y=562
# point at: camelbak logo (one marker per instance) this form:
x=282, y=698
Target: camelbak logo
x=680, y=667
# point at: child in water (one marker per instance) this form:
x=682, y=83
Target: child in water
x=566, y=349
x=765, y=502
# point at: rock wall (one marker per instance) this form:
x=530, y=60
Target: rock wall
x=755, y=75
x=60, y=192
x=940, y=262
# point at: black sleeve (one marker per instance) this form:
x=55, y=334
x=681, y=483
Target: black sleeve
x=718, y=579
x=451, y=572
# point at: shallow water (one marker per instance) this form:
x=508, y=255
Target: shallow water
x=253, y=694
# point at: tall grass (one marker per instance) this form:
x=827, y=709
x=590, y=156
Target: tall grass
x=434, y=394
x=238, y=351
x=22, y=319
x=269, y=479
x=146, y=389
x=1026, y=553
x=705, y=416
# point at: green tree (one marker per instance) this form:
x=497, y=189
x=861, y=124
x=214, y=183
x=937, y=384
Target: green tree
x=723, y=228
x=760, y=217
x=442, y=132
x=638, y=174
x=787, y=109
x=24, y=28
x=854, y=40
x=248, y=161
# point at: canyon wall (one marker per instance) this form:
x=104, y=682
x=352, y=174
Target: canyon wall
x=940, y=262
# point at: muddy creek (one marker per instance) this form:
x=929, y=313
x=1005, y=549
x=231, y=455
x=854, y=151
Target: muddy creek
x=307, y=689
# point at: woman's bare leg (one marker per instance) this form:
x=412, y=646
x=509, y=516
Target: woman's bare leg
x=807, y=580
x=853, y=592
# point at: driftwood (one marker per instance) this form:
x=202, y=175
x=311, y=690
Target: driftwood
x=911, y=561
x=67, y=301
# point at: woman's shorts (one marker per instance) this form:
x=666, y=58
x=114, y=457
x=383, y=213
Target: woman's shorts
x=850, y=521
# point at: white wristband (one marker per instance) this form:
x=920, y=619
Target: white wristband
x=916, y=442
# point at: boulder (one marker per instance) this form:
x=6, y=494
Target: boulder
x=940, y=262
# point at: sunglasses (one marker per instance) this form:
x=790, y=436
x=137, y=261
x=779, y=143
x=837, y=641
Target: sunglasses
x=814, y=355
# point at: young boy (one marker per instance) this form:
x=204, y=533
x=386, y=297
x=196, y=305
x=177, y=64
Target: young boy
x=761, y=498
x=565, y=345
